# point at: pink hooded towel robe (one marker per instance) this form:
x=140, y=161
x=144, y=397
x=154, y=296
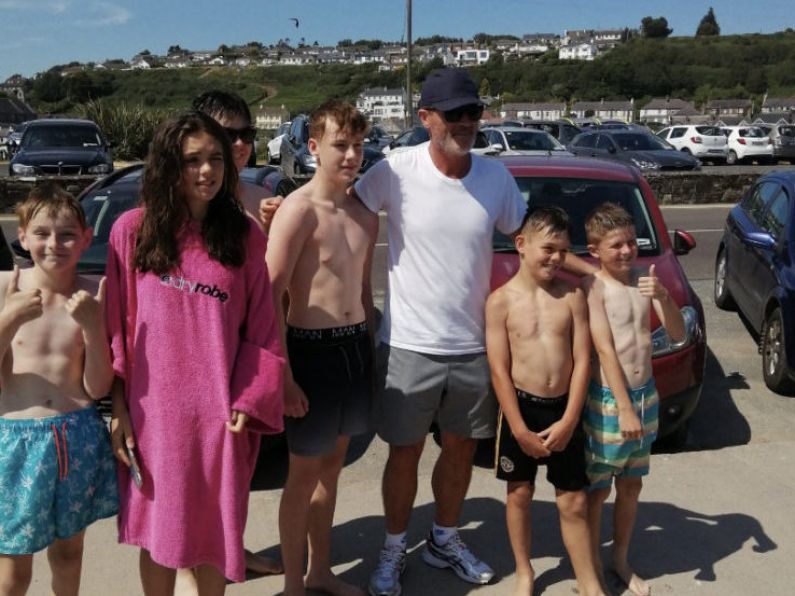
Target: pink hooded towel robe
x=192, y=346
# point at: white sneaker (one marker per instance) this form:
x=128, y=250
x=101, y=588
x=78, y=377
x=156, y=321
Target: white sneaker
x=385, y=579
x=459, y=558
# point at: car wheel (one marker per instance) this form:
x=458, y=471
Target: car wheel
x=723, y=299
x=774, y=354
x=674, y=441
x=731, y=159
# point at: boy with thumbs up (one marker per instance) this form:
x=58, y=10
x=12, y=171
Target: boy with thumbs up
x=620, y=417
x=57, y=472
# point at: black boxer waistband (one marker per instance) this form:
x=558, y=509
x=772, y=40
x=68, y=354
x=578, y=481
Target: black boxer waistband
x=542, y=401
x=328, y=334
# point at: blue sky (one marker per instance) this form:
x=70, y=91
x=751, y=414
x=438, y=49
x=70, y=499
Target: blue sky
x=37, y=34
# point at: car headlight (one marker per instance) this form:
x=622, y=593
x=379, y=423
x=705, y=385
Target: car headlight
x=661, y=343
x=310, y=161
x=645, y=164
x=102, y=168
x=23, y=170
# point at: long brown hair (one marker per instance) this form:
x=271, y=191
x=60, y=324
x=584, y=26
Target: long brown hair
x=166, y=212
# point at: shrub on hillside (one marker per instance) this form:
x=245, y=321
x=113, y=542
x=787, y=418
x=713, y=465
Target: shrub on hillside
x=129, y=127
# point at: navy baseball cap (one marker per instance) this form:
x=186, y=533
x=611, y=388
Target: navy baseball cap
x=447, y=89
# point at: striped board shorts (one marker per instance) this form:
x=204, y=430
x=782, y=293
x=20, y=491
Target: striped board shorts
x=607, y=453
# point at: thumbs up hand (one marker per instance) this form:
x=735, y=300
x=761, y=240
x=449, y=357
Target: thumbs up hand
x=650, y=286
x=21, y=306
x=87, y=310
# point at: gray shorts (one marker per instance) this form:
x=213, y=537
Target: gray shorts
x=416, y=389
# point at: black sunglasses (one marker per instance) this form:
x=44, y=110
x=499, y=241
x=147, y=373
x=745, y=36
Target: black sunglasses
x=473, y=111
x=247, y=134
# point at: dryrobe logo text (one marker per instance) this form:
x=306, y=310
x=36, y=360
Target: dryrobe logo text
x=193, y=287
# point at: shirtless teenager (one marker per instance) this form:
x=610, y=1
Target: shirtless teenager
x=320, y=253
x=57, y=472
x=538, y=348
x=621, y=412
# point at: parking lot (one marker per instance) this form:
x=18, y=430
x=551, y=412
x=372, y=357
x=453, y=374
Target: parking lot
x=715, y=518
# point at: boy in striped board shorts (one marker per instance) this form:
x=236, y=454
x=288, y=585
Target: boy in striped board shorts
x=621, y=410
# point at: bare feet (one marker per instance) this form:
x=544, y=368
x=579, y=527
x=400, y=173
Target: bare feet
x=524, y=585
x=636, y=585
x=331, y=584
x=262, y=564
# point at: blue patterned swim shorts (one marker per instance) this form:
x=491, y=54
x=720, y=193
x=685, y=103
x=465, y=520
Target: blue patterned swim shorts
x=607, y=453
x=57, y=476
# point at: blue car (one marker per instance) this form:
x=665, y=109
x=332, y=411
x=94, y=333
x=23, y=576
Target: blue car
x=755, y=272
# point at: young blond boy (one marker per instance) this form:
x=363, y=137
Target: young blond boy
x=621, y=412
x=538, y=348
x=57, y=473
x=320, y=251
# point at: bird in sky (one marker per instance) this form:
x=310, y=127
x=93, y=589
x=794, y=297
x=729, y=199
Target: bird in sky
x=294, y=20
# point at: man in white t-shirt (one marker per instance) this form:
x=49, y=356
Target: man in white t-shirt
x=442, y=205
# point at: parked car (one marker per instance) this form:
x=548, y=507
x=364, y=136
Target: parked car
x=642, y=149
x=15, y=136
x=783, y=138
x=62, y=147
x=419, y=134
x=408, y=138
x=275, y=144
x=578, y=186
x=563, y=130
x=377, y=137
x=523, y=141
x=703, y=141
x=747, y=143
x=755, y=272
x=296, y=160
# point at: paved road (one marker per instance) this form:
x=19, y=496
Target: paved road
x=715, y=519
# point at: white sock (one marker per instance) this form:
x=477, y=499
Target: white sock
x=441, y=534
x=395, y=540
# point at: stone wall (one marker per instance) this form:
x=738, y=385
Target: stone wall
x=681, y=188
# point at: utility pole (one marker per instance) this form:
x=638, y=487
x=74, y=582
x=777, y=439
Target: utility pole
x=409, y=107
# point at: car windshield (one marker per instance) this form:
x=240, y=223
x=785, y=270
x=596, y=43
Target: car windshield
x=709, y=131
x=525, y=140
x=751, y=133
x=639, y=142
x=578, y=197
x=786, y=131
x=101, y=212
x=61, y=136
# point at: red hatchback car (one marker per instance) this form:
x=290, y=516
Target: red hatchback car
x=578, y=185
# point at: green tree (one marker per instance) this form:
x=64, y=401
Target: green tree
x=49, y=86
x=708, y=25
x=657, y=28
x=485, y=88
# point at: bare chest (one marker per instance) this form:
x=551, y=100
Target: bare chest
x=626, y=309
x=531, y=319
x=54, y=332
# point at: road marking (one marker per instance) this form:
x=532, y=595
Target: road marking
x=702, y=231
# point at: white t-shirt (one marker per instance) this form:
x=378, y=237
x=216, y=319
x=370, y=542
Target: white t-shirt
x=440, y=231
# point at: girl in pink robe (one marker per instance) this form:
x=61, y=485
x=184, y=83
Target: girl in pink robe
x=197, y=357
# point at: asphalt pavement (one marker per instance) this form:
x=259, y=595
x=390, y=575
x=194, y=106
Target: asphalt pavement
x=715, y=518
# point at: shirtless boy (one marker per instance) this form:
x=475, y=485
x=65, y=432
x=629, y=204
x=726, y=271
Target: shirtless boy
x=320, y=253
x=621, y=411
x=57, y=472
x=538, y=348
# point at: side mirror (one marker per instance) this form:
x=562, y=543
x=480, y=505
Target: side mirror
x=683, y=242
x=497, y=147
x=761, y=240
